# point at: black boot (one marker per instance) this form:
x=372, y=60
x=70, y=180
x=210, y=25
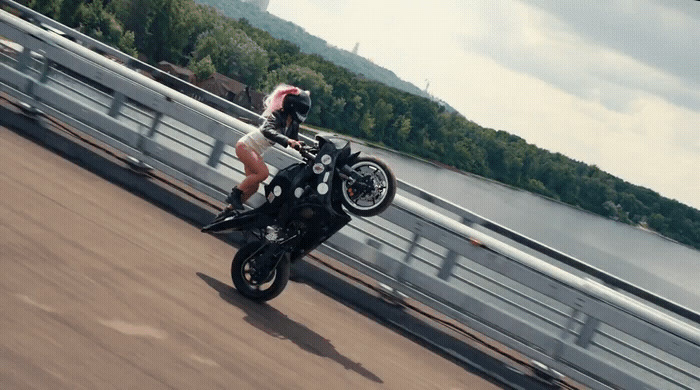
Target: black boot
x=234, y=198
x=226, y=212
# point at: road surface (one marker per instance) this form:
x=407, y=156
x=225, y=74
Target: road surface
x=100, y=289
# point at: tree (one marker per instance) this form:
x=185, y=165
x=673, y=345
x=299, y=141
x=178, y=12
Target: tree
x=631, y=205
x=304, y=78
x=96, y=21
x=233, y=53
x=383, y=112
x=167, y=30
x=49, y=8
x=470, y=157
x=134, y=16
x=538, y=187
x=367, y=125
x=352, y=115
x=403, y=130
x=203, y=69
x=163, y=29
x=657, y=222
x=69, y=12
x=126, y=44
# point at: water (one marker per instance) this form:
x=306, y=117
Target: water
x=643, y=258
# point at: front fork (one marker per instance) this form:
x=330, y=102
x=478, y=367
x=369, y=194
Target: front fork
x=348, y=174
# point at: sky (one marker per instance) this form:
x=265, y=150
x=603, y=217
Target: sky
x=614, y=83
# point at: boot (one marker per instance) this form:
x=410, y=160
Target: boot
x=234, y=198
x=226, y=212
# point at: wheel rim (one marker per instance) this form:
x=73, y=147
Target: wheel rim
x=247, y=273
x=380, y=183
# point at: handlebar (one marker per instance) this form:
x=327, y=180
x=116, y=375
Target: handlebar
x=307, y=152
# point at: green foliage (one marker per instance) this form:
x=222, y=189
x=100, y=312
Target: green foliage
x=202, y=69
x=68, y=12
x=383, y=113
x=50, y=8
x=538, y=187
x=305, y=78
x=403, y=128
x=367, y=125
x=346, y=101
x=126, y=44
x=233, y=53
x=97, y=22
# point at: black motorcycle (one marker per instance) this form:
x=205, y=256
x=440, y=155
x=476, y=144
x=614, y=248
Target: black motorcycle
x=303, y=208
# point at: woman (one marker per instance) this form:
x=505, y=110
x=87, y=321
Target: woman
x=285, y=108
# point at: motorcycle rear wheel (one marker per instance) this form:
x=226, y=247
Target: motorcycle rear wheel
x=384, y=183
x=242, y=268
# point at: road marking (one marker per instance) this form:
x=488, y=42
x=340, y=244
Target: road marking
x=34, y=303
x=204, y=360
x=134, y=330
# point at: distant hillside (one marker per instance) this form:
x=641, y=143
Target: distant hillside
x=282, y=29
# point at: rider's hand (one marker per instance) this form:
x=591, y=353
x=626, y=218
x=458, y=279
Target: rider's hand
x=295, y=144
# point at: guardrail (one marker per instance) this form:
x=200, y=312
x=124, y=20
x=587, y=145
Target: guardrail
x=576, y=326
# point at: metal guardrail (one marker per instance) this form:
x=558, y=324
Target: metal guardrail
x=576, y=326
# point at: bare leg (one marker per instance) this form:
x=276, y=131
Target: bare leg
x=256, y=170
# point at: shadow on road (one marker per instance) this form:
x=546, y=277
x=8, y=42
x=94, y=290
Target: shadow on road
x=276, y=324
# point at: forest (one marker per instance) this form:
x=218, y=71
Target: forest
x=201, y=38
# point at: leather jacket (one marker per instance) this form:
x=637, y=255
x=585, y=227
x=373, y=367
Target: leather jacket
x=276, y=130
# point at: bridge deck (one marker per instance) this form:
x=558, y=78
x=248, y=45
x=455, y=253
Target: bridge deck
x=102, y=289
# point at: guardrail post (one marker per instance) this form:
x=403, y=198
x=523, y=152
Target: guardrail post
x=448, y=265
x=45, y=67
x=135, y=163
x=586, y=334
x=565, y=333
x=154, y=125
x=23, y=66
x=24, y=59
x=216, y=153
x=117, y=103
x=468, y=221
x=409, y=254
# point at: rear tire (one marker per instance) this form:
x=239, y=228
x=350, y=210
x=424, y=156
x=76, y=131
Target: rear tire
x=384, y=181
x=241, y=269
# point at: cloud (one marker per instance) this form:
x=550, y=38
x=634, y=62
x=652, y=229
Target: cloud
x=662, y=34
x=547, y=46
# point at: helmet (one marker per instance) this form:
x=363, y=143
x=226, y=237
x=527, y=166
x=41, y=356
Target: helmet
x=297, y=105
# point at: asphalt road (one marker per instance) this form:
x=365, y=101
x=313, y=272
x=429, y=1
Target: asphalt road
x=100, y=289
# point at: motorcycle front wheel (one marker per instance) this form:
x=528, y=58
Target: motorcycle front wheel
x=374, y=192
x=243, y=274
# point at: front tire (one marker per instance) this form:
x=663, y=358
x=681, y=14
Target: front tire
x=243, y=267
x=380, y=178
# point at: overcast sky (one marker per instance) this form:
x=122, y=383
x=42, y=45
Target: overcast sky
x=614, y=83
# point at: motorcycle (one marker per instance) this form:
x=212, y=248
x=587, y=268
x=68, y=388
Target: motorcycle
x=303, y=208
